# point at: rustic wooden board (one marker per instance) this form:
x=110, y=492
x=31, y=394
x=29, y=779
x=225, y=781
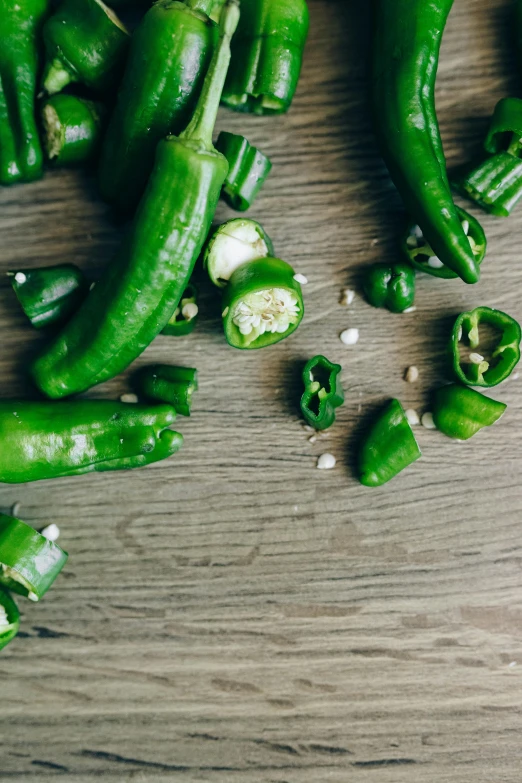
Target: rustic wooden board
x=235, y=614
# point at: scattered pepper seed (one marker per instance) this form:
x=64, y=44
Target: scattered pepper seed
x=476, y=358
x=427, y=421
x=347, y=297
x=225, y=312
x=411, y=375
x=412, y=416
x=435, y=262
x=20, y=277
x=15, y=509
x=312, y=439
x=350, y=336
x=410, y=309
x=190, y=311
x=129, y=398
x=299, y=278
x=326, y=462
x=51, y=532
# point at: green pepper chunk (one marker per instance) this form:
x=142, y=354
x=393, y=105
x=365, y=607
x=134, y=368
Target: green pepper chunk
x=262, y=304
x=169, y=55
x=389, y=447
x=29, y=562
x=165, y=383
x=9, y=618
x=267, y=55
x=460, y=412
x=49, y=295
x=323, y=392
x=72, y=129
x=139, y=292
x=232, y=244
x=495, y=185
x=505, y=130
x=85, y=42
x=43, y=440
x=21, y=157
x=420, y=255
x=185, y=315
x=505, y=356
x=247, y=173
x=390, y=286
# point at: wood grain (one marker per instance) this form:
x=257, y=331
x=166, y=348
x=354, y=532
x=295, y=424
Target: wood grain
x=235, y=614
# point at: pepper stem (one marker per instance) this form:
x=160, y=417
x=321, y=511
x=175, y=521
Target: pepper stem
x=203, y=6
x=201, y=126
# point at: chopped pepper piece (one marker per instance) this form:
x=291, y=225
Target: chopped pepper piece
x=72, y=129
x=460, y=412
x=495, y=184
x=29, y=562
x=504, y=357
x=247, y=173
x=165, y=383
x=505, y=130
x=323, y=392
x=390, y=285
x=389, y=447
x=185, y=316
x=9, y=618
x=49, y=295
x=232, y=244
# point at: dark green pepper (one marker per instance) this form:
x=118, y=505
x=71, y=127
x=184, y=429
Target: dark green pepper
x=169, y=56
x=267, y=55
x=247, y=173
x=165, y=383
x=85, y=42
x=495, y=184
x=42, y=440
x=391, y=286
x=140, y=290
x=505, y=130
x=323, y=392
x=406, y=47
x=389, y=447
x=232, y=244
x=49, y=295
x=460, y=412
x=29, y=562
x=21, y=157
x=9, y=618
x=478, y=371
x=185, y=315
x=72, y=129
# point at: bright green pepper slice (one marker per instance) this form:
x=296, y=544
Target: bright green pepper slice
x=29, y=562
x=388, y=448
x=460, y=412
x=505, y=130
x=72, y=129
x=390, y=285
x=247, y=173
x=504, y=357
x=323, y=392
x=49, y=295
x=9, y=618
x=232, y=244
x=495, y=184
x=165, y=383
x=185, y=315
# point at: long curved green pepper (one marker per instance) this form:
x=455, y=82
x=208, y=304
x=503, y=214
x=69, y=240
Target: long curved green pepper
x=141, y=289
x=406, y=46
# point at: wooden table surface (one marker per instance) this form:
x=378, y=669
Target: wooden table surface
x=234, y=614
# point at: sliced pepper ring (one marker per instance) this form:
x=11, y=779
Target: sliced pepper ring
x=165, y=383
x=29, y=562
x=495, y=184
x=505, y=130
x=247, y=173
x=323, y=392
x=9, y=618
x=504, y=357
x=232, y=244
x=185, y=316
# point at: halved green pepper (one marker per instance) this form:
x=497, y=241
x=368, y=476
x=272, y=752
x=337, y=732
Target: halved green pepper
x=460, y=412
x=323, y=392
x=504, y=357
x=49, y=295
x=390, y=285
x=247, y=173
x=29, y=562
x=9, y=618
x=72, y=129
x=185, y=315
x=165, y=383
x=232, y=244
x=388, y=448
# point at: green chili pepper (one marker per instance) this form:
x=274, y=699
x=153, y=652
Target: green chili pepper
x=247, y=173
x=390, y=286
x=29, y=562
x=479, y=371
x=42, y=440
x=169, y=55
x=72, y=129
x=233, y=244
x=389, y=447
x=267, y=55
x=141, y=289
x=20, y=151
x=505, y=130
x=419, y=253
x=407, y=40
x=85, y=42
x=185, y=315
x=495, y=184
x=460, y=412
x=323, y=392
x=49, y=295
x=262, y=304
x=9, y=618
x=165, y=383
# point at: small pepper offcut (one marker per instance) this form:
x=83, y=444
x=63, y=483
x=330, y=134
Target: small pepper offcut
x=460, y=412
x=168, y=384
x=388, y=448
x=247, y=173
x=390, y=286
x=323, y=392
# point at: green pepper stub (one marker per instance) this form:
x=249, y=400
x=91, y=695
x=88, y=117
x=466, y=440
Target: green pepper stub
x=185, y=316
x=323, y=392
x=232, y=244
x=247, y=173
x=9, y=618
x=505, y=130
x=390, y=285
x=477, y=370
x=49, y=295
x=72, y=129
x=495, y=185
x=388, y=448
x=262, y=304
x=419, y=253
x=29, y=562
x=460, y=412
x=165, y=383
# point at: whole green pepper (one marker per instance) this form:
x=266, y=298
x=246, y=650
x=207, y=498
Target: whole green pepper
x=49, y=295
x=247, y=173
x=406, y=47
x=389, y=447
x=42, y=440
x=165, y=383
x=85, y=42
x=232, y=244
x=323, y=392
x=72, y=129
x=267, y=55
x=169, y=55
x=141, y=289
x=460, y=412
x=9, y=618
x=21, y=157
x=390, y=286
